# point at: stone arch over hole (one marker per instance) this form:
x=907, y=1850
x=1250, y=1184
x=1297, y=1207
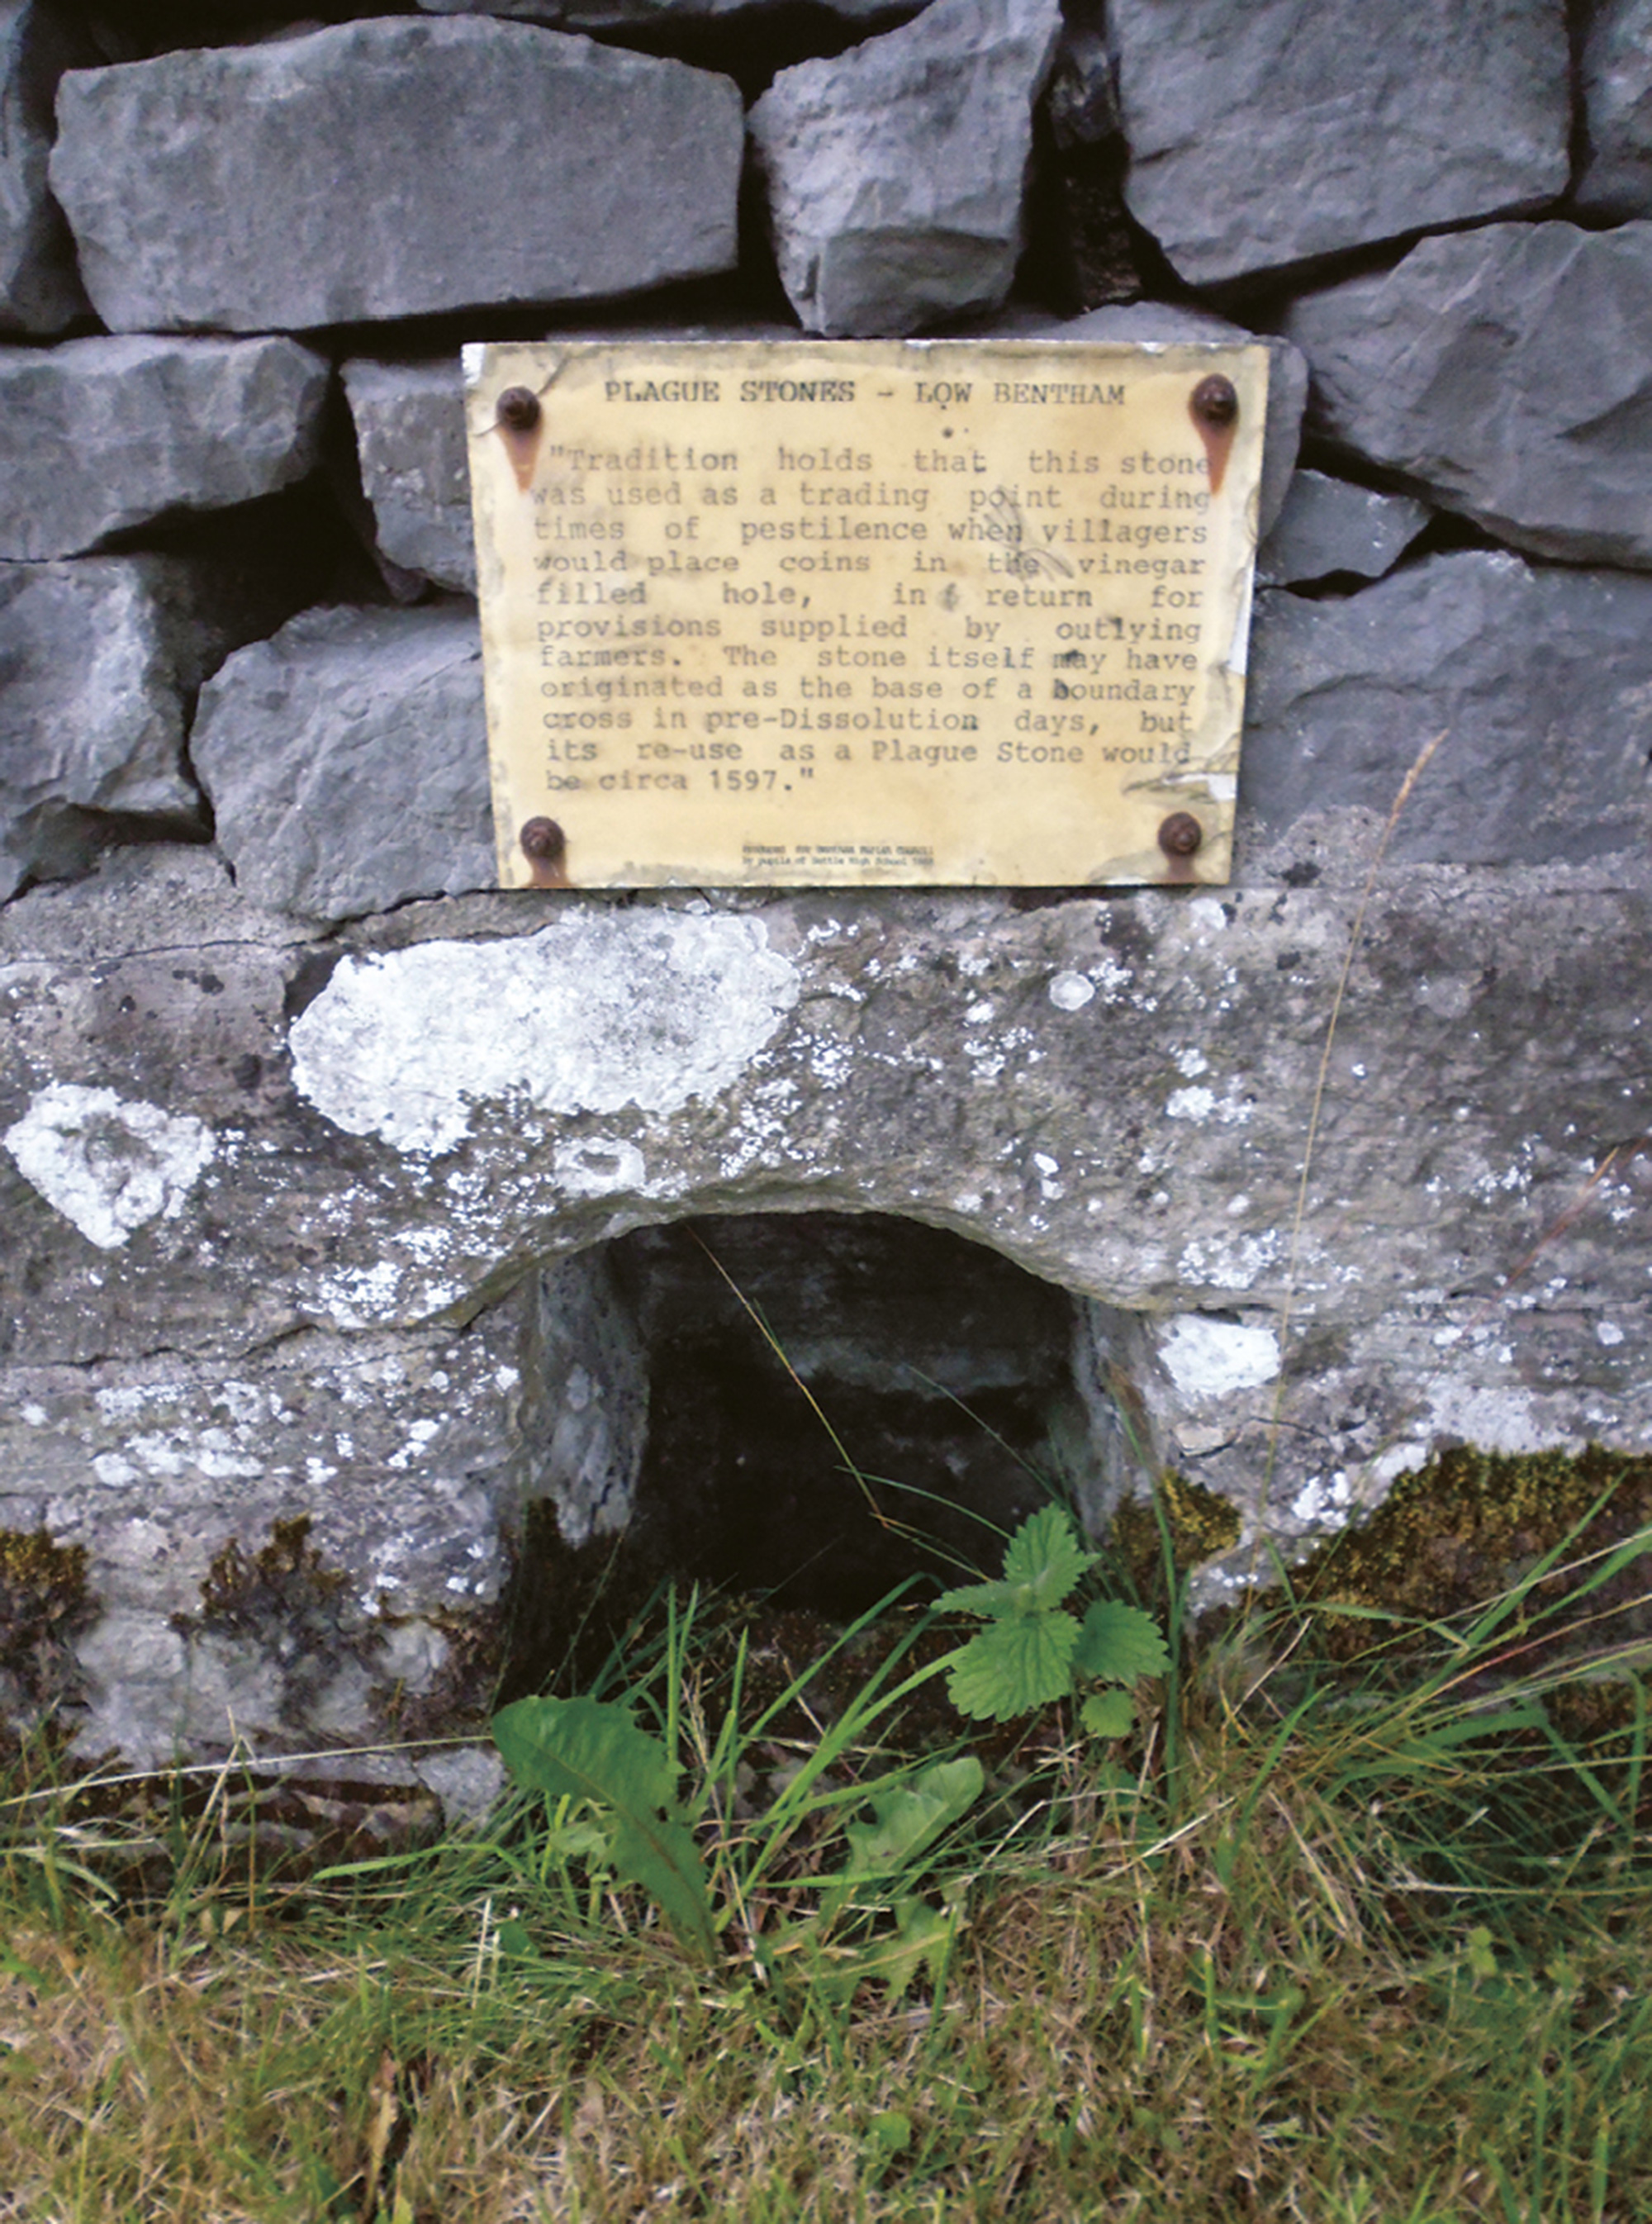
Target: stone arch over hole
x=663, y=1434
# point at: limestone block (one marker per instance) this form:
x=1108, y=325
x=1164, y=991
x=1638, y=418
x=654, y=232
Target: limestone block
x=1148, y=323
x=102, y=659
x=347, y=760
x=1540, y=679
x=99, y=436
x=1269, y=135
x=1617, y=77
x=39, y=289
x=410, y=1120
x=634, y=15
x=1327, y=526
x=391, y=168
x=1465, y=368
x=410, y=439
x=896, y=172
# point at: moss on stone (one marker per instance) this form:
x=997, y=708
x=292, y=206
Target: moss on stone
x=1452, y=1534
x=1201, y=1523
x=44, y=1599
x=286, y=1600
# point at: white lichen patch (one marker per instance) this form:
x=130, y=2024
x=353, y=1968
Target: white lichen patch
x=108, y=1164
x=1209, y=1358
x=1071, y=992
x=602, y=1010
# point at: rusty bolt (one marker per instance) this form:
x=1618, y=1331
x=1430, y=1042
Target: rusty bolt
x=519, y=410
x=1180, y=835
x=544, y=841
x=1214, y=402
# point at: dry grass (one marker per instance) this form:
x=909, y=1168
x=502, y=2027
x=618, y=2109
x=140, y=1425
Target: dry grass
x=1361, y=1963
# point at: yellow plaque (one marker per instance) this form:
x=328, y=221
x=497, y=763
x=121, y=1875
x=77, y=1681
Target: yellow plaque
x=831, y=612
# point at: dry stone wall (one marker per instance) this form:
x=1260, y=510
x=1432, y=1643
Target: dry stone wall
x=312, y=1144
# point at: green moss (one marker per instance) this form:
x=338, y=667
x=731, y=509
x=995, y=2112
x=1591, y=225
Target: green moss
x=1201, y=1523
x=288, y=1601
x=43, y=1601
x=1452, y=1534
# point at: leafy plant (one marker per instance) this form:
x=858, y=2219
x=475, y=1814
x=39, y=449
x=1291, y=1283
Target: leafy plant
x=1032, y=1651
x=591, y=1749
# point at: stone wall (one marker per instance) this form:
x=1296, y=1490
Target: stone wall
x=300, y=1119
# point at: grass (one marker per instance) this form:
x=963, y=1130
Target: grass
x=1322, y=1940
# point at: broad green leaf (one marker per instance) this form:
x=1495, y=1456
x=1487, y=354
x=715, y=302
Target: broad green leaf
x=1041, y=1563
x=1046, y=1558
x=1013, y=1666
x=910, y=1815
x=1107, y=1713
x=990, y=1601
x=1119, y=1643
x=590, y=1749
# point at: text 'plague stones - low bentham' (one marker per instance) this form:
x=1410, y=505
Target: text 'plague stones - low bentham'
x=814, y=614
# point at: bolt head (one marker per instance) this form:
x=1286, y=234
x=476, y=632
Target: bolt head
x=1180, y=835
x=1215, y=401
x=544, y=841
x=518, y=409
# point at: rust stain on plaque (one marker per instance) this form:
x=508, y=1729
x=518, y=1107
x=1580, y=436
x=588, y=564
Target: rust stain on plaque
x=836, y=613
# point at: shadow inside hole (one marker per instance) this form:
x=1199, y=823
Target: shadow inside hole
x=945, y=1372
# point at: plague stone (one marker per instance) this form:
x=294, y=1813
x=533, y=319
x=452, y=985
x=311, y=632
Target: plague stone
x=822, y=613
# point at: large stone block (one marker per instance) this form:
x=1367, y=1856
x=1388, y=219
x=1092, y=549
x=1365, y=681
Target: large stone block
x=1270, y=133
x=391, y=168
x=1507, y=373
x=410, y=440
x=101, y=661
x=1327, y=528
x=636, y=15
x=896, y=172
x=347, y=760
x=1540, y=682
x=40, y=288
x=99, y=436
x=1616, y=76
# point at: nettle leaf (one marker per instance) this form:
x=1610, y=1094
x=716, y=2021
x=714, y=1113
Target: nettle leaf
x=1043, y=1561
x=910, y=1817
x=1014, y=1665
x=1119, y=1643
x=1046, y=1558
x=1107, y=1713
x=590, y=1749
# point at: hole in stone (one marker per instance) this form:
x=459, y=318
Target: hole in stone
x=664, y=1437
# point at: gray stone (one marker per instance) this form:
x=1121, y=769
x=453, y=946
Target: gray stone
x=102, y=659
x=896, y=173
x=410, y=439
x=262, y=1265
x=1540, y=679
x=1272, y=133
x=1616, y=75
x=637, y=14
x=347, y=760
x=1147, y=324
x=391, y=168
x=1507, y=373
x=39, y=289
x=97, y=436
x=1327, y=526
